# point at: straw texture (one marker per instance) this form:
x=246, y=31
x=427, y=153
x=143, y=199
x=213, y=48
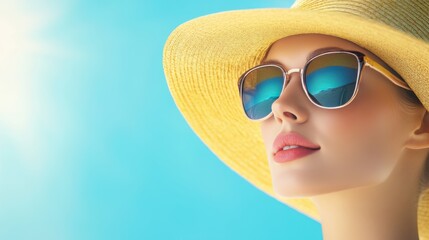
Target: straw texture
x=204, y=57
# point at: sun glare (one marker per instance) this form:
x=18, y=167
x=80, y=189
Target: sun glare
x=20, y=100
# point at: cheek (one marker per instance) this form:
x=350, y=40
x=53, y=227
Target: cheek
x=361, y=144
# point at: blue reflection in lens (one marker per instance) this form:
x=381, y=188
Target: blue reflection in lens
x=331, y=86
x=257, y=103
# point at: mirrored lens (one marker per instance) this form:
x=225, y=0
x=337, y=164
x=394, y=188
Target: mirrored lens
x=330, y=79
x=261, y=87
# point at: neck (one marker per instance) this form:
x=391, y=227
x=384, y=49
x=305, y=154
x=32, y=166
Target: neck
x=386, y=211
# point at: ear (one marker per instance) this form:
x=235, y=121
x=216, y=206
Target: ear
x=420, y=137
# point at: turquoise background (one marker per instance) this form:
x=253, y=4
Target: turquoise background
x=91, y=143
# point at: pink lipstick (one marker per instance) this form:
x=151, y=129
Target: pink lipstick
x=291, y=146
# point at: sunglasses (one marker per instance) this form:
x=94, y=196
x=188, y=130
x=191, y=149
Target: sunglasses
x=330, y=80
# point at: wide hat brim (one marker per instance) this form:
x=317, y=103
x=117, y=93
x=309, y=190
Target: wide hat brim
x=204, y=57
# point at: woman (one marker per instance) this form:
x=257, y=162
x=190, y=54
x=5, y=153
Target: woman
x=342, y=85
x=360, y=164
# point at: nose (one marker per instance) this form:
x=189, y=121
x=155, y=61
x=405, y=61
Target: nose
x=287, y=106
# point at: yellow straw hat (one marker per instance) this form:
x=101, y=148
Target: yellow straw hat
x=204, y=57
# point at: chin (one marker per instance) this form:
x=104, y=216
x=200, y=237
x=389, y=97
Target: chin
x=286, y=189
x=283, y=191
x=293, y=194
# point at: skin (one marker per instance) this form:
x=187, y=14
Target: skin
x=364, y=180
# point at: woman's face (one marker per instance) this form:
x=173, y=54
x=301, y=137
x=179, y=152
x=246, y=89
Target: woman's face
x=360, y=144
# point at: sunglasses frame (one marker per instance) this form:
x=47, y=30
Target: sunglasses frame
x=363, y=60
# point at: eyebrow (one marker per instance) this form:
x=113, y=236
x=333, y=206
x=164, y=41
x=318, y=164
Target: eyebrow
x=323, y=50
x=333, y=48
x=311, y=55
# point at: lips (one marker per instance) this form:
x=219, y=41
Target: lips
x=292, y=138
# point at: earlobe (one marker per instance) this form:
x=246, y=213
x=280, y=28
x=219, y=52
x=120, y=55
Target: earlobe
x=420, y=137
